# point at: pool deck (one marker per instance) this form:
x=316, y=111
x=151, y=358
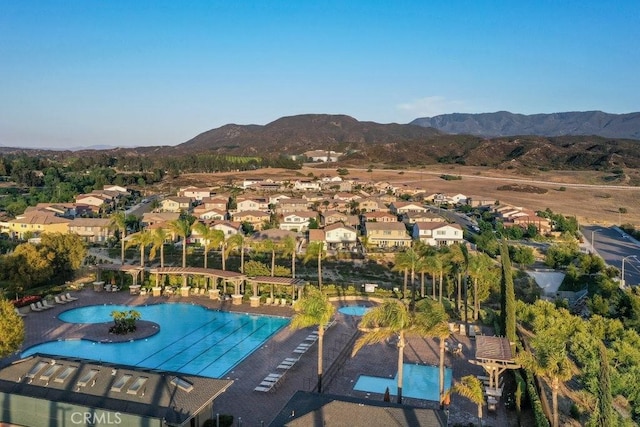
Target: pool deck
x=255, y=407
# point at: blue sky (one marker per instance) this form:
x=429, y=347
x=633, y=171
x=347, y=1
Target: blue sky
x=82, y=72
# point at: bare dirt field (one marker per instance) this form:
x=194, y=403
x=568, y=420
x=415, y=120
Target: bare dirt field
x=591, y=196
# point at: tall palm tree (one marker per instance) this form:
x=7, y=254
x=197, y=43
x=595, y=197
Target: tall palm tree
x=182, y=228
x=471, y=388
x=459, y=257
x=433, y=265
x=222, y=244
x=314, y=309
x=209, y=236
x=316, y=250
x=548, y=360
x=143, y=239
x=268, y=246
x=409, y=261
x=119, y=222
x=237, y=242
x=479, y=265
x=289, y=246
x=160, y=236
x=393, y=319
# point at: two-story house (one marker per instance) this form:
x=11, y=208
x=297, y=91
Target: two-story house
x=331, y=217
x=437, y=234
x=400, y=208
x=306, y=185
x=287, y=206
x=92, y=230
x=297, y=221
x=379, y=217
x=387, y=234
x=255, y=218
x=252, y=204
x=204, y=213
x=176, y=204
x=194, y=193
x=37, y=223
x=218, y=202
x=340, y=237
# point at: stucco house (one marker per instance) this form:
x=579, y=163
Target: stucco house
x=341, y=237
x=38, y=223
x=176, y=204
x=255, y=218
x=387, y=234
x=297, y=221
x=437, y=234
x=92, y=230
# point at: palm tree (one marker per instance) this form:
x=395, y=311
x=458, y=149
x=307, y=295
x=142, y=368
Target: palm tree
x=237, y=241
x=143, y=239
x=160, y=236
x=549, y=360
x=408, y=260
x=479, y=265
x=289, y=246
x=268, y=246
x=393, y=319
x=119, y=222
x=314, y=309
x=182, y=227
x=209, y=236
x=316, y=250
x=432, y=265
x=459, y=257
x=471, y=388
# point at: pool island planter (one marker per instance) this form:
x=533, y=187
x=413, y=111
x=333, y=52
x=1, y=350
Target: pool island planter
x=254, y=301
x=214, y=294
x=98, y=286
x=157, y=291
x=184, y=291
x=236, y=299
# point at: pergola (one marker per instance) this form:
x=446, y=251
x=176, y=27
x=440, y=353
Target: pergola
x=495, y=356
x=237, y=279
x=296, y=284
x=133, y=270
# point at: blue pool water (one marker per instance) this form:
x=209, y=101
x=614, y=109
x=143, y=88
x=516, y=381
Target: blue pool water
x=354, y=310
x=192, y=339
x=418, y=382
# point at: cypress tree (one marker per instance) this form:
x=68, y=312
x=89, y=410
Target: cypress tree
x=508, y=296
x=605, y=405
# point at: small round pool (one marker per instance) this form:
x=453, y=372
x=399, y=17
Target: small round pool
x=354, y=310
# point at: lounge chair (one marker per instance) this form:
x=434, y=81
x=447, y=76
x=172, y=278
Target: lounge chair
x=69, y=297
x=34, y=307
x=18, y=312
x=263, y=389
x=41, y=306
x=59, y=300
x=46, y=304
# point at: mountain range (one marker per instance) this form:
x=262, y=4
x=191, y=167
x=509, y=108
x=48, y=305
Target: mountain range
x=504, y=123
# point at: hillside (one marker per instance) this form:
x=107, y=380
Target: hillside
x=504, y=123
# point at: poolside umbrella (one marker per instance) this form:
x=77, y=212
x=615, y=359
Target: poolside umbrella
x=387, y=398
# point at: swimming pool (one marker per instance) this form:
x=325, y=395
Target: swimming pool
x=354, y=310
x=418, y=382
x=192, y=339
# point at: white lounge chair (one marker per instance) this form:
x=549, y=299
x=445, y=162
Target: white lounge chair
x=69, y=297
x=46, y=304
x=263, y=389
x=41, y=306
x=34, y=307
x=18, y=313
x=59, y=300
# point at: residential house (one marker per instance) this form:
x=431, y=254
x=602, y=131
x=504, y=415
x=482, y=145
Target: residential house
x=252, y=204
x=218, y=203
x=150, y=219
x=286, y=206
x=306, y=185
x=387, y=234
x=331, y=217
x=92, y=230
x=255, y=218
x=297, y=221
x=371, y=204
x=346, y=197
x=400, y=208
x=323, y=155
x=116, y=188
x=195, y=193
x=248, y=182
x=274, y=199
x=340, y=237
x=317, y=235
x=413, y=217
x=437, y=234
x=229, y=228
x=91, y=199
x=37, y=223
x=379, y=217
x=480, y=201
x=176, y=204
x=201, y=212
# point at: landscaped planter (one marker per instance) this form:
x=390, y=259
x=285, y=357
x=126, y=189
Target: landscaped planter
x=184, y=291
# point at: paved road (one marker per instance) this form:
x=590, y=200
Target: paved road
x=610, y=244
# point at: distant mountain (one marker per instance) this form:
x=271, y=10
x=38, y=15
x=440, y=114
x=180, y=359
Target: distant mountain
x=297, y=134
x=504, y=123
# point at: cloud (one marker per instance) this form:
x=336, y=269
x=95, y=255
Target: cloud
x=431, y=106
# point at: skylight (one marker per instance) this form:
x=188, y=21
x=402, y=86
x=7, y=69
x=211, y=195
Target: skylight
x=46, y=376
x=137, y=384
x=34, y=371
x=65, y=374
x=87, y=377
x=182, y=384
x=120, y=383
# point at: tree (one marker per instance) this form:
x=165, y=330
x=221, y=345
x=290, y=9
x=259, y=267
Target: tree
x=459, y=257
x=26, y=267
x=471, y=388
x=182, y=228
x=119, y=222
x=289, y=247
x=393, y=319
x=237, y=242
x=408, y=261
x=316, y=250
x=549, y=360
x=159, y=237
x=209, y=236
x=268, y=246
x=480, y=266
x=66, y=251
x=522, y=255
x=143, y=239
x=11, y=329
x=508, y=296
x=605, y=412
x=314, y=309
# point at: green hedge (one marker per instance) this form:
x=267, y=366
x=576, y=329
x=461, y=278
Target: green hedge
x=539, y=416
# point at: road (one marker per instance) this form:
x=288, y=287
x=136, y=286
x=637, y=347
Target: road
x=610, y=244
